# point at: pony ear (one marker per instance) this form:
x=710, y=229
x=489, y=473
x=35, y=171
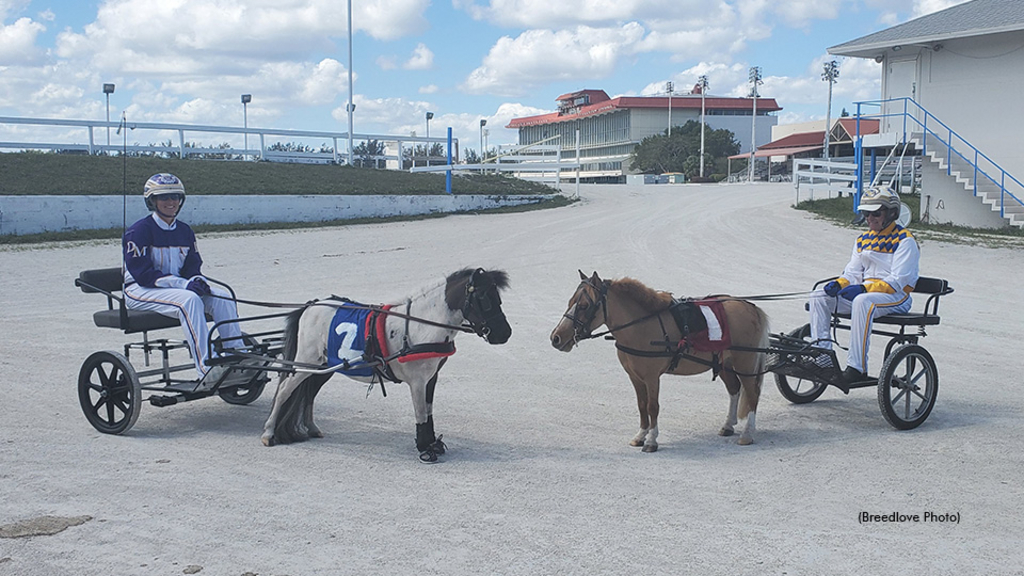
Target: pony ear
x=595, y=277
x=582, y=275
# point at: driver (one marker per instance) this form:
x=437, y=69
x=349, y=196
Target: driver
x=877, y=281
x=163, y=274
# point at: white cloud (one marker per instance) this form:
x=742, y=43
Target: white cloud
x=18, y=42
x=387, y=62
x=428, y=89
x=515, y=65
x=422, y=58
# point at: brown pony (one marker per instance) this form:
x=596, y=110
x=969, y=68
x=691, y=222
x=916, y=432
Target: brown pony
x=648, y=343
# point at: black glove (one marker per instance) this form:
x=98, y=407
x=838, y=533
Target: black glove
x=832, y=288
x=852, y=291
x=199, y=286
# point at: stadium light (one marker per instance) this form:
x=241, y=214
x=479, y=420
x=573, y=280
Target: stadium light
x=830, y=74
x=108, y=89
x=246, y=98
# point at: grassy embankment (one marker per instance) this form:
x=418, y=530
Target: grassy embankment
x=60, y=174
x=840, y=211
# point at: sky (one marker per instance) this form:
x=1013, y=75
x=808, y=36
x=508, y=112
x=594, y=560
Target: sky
x=189, y=61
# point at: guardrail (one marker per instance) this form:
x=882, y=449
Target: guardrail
x=83, y=138
x=828, y=175
x=919, y=120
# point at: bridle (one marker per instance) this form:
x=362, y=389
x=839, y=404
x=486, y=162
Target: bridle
x=581, y=326
x=484, y=301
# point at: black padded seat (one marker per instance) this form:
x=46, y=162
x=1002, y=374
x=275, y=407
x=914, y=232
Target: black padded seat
x=109, y=281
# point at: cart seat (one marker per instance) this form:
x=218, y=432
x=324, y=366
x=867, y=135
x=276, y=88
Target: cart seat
x=933, y=287
x=109, y=281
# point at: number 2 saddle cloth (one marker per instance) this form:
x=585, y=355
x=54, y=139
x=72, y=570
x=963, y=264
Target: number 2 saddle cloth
x=703, y=324
x=357, y=342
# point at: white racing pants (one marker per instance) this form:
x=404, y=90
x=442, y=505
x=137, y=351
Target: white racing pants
x=863, y=310
x=189, y=308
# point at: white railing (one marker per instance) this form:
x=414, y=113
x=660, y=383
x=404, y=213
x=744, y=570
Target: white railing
x=829, y=175
x=91, y=137
x=537, y=162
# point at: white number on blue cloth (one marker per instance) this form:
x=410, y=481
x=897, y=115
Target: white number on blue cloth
x=348, y=331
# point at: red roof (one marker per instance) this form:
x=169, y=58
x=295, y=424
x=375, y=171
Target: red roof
x=796, y=140
x=595, y=96
x=763, y=152
x=683, y=102
x=867, y=126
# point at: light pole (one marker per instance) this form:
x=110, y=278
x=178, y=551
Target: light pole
x=755, y=79
x=350, y=107
x=430, y=116
x=108, y=89
x=246, y=98
x=483, y=122
x=702, y=82
x=829, y=75
x=668, y=88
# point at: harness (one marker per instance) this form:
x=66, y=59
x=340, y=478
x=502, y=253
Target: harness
x=686, y=313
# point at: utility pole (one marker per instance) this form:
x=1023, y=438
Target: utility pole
x=702, y=82
x=755, y=79
x=668, y=87
x=830, y=75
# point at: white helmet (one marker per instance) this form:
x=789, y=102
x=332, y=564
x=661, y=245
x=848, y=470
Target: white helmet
x=881, y=198
x=161, y=184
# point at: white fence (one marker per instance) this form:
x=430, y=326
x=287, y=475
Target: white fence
x=96, y=137
x=536, y=162
x=829, y=176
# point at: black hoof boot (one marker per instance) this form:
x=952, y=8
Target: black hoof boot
x=428, y=457
x=430, y=446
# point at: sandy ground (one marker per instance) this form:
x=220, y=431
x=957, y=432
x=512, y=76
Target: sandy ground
x=539, y=478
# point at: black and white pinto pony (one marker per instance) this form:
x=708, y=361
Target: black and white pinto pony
x=415, y=330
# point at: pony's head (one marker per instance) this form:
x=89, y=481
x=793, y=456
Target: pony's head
x=581, y=315
x=475, y=294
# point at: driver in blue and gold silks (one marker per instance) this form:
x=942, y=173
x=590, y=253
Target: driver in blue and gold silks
x=877, y=281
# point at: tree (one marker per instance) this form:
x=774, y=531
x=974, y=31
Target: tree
x=680, y=152
x=368, y=153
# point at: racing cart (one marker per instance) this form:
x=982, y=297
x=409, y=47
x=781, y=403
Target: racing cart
x=908, y=383
x=111, y=388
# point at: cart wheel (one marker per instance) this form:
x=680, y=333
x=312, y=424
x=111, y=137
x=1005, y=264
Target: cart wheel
x=907, y=386
x=109, y=392
x=798, y=390
x=242, y=395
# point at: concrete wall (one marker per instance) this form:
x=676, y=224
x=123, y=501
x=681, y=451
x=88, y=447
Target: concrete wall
x=34, y=214
x=945, y=201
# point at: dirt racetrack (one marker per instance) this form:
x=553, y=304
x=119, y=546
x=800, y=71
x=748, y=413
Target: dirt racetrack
x=539, y=478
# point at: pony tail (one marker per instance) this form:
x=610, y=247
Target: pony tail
x=291, y=334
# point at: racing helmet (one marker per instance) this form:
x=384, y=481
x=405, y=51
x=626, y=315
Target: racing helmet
x=880, y=198
x=160, y=185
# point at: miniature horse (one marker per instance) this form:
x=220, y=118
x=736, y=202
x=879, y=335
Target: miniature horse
x=650, y=343
x=420, y=332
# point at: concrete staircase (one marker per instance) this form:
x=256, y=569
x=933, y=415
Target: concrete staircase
x=974, y=180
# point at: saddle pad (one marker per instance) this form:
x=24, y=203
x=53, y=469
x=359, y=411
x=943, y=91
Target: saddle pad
x=346, y=341
x=715, y=337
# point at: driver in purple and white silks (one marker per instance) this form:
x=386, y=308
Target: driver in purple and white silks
x=877, y=281
x=163, y=274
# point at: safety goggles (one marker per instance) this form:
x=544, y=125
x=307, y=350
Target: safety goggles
x=169, y=197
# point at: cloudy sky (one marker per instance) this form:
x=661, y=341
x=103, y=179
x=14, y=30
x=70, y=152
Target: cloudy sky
x=189, y=61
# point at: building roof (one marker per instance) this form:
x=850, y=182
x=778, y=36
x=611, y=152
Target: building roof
x=797, y=139
x=763, y=152
x=867, y=126
x=681, y=102
x=974, y=18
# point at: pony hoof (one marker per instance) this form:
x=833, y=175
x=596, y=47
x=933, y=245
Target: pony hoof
x=636, y=442
x=650, y=448
x=726, y=432
x=428, y=457
x=268, y=440
x=745, y=441
x=439, y=447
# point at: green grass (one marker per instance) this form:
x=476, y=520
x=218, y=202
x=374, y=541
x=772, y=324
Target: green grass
x=37, y=173
x=840, y=211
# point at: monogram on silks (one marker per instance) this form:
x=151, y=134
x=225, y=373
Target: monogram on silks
x=346, y=342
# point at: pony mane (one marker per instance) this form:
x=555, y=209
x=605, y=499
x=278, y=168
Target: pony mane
x=455, y=284
x=648, y=298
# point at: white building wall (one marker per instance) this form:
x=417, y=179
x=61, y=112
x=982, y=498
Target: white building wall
x=944, y=201
x=975, y=86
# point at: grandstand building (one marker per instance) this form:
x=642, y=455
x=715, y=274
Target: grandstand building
x=611, y=127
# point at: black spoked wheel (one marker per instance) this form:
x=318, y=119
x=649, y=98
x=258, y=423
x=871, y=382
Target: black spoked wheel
x=908, y=386
x=109, y=392
x=248, y=393
x=798, y=390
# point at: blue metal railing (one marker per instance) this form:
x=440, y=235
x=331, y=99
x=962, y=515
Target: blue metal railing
x=924, y=121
